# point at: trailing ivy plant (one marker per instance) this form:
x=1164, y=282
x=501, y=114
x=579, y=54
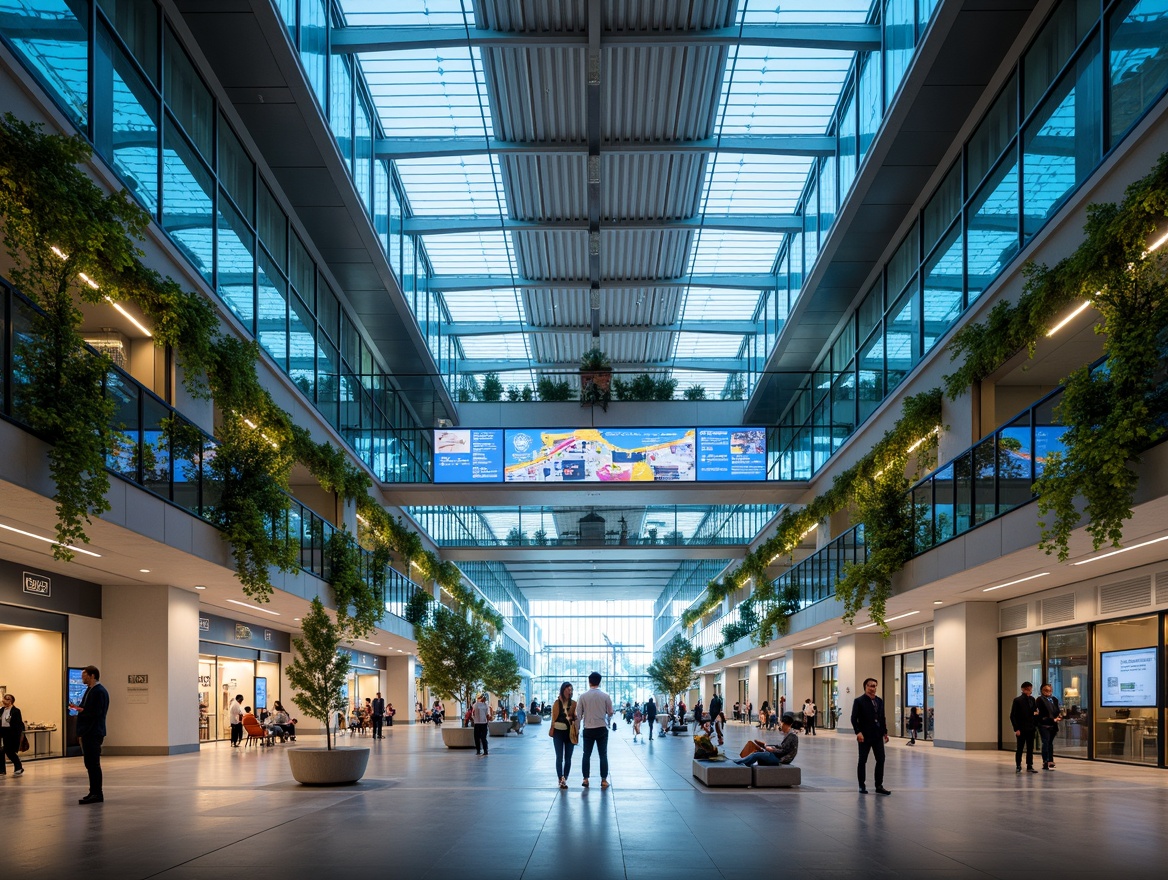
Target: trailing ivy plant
x=1111, y=414
x=359, y=607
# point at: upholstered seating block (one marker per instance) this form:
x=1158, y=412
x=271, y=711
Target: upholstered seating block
x=721, y=774
x=498, y=728
x=783, y=776
x=534, y=719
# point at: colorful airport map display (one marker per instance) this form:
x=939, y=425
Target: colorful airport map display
x=599, y=455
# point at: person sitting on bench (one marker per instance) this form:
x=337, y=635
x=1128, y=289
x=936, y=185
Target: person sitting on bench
x=773, y=756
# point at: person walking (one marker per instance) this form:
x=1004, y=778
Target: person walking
x=749, y=711
x=914, y=725
x=235, y=719
x=480, y=714
x=1049, y=716
x=595, y=712
x=564, y=732
x=782, y=705
x=717, y=716
x=698, y=713
x=389, y=713
x=91, y=713
x=651, y=714
x=809, y=713
x=11, y=732
x=1024, y=721
x=377, y=709
x=871, y=733
x=637, y=717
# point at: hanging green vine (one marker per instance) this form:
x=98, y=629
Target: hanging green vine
x=916, y=431
x=1111, y=414
x=359, y=608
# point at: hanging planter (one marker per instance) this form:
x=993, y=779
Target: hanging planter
x=595, y=379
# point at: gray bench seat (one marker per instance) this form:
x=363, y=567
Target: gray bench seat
x=721, y=774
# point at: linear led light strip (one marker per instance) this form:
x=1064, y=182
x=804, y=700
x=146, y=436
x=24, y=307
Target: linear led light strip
x=1019, y=581
x=889, y=619
x=252, y=607
x=56, y=250
x=814, y=526
x=70, y=548
x=1122, y=550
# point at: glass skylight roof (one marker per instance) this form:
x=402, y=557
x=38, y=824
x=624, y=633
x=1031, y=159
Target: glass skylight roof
x=443, y=93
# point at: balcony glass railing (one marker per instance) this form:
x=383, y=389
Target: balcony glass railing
x=147, y=456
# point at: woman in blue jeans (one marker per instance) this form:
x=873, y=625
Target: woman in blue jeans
x=563, y=732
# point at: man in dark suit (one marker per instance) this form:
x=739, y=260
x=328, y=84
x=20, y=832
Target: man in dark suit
x=871, y=733
x=1024, y=720
x=91, y=712
x=378, y=717
x=1049, y=716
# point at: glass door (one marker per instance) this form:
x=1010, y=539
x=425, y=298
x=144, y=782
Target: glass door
x=828, y=701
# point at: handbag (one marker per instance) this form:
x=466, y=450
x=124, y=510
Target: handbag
x=23, y=744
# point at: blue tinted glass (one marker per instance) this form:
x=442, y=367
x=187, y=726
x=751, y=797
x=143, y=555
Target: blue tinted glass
x=363, y=153
x=314, y=46
x=187, y=204
x=135, y=133
x=188, y=98
x=55, y=43
x=903, y=345
x=943, y=504
x=395, y=236
x=1061, y=144
x=942, y=288
x=847, y=146
x=341, y=104
x=1015, y=455
x=1139, y=60
x=301, y=347
x=899, y=38
x=871, y=107
x=992, y=228
x=235, y=265
x=381, y=204
x=271, y=299
x=871, y=376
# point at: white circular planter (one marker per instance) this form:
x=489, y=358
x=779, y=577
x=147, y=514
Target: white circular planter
x=328, y=767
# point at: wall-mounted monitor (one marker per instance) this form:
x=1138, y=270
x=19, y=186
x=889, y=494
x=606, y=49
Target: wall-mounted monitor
x=473, y=455
x=1128, y=678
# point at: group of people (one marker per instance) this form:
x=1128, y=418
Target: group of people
x=1029, y=714
x=587, y=720
x=276, y=724
x=371, y=716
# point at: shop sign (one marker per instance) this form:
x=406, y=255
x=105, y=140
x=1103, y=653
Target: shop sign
x=242, y=632
x=137, y=679
x=204, y=624
x=267, y=635
x=38, y=584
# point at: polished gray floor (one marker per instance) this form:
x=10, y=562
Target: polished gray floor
x=423, y=811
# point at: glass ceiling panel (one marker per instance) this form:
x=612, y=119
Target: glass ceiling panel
x=719, y=304
x=813, y=11
x=782, y=91
x=483, y=305
x=747, y=184
x=406, y=13
x=712, y=382
x=712, y=345
x=502, y=345
x=720, y=250
x=471, y=253
x=427, y=92
x=458, y=186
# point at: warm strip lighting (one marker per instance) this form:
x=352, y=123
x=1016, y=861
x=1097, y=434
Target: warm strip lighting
x=922, y=440
x=89, y=281
x=252, y=607
x=1019, y=581
x=1123, y=550
x=889, y=619
x=816, y=642
x=49, y=541
x=362, y=520
x=366, y=641
x=809, y=531
x=1157, y=244
x=60, y=253
x=1061, y=324
x=129, y=317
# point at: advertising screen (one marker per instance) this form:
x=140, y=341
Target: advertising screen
x=76, y=688
x=600, y=455
x=472, y=455
x=914, y=689
x=731, y=453
x=1128, y=677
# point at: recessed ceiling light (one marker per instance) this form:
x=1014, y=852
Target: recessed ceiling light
x=889, y=619
x=296, y=618
x=48, y=540
x=1123, y=550
x=144, y=570
x=200, y=587
x=1019, y=581
x=938, y=602
x=252, y=607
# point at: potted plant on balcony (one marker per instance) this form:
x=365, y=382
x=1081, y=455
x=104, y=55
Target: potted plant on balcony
x=317, y=675
x=595, y=378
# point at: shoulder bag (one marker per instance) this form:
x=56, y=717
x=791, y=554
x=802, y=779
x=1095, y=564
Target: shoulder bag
x=23, y=743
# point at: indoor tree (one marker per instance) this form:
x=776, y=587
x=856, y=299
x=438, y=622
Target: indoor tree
x=318, y=671
x=501, y=676
x=454, y=648
x=672, y=671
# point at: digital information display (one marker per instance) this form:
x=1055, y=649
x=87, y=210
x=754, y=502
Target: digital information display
x=599, y=455
x=468, y=456
x=914, y=689
x=1128, y=677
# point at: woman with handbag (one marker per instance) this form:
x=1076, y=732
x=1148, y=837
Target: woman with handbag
x=564, y=732
x=12, y=734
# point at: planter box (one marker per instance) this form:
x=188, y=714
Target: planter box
x=498, y=728
x=328, y=767
x=458, y=737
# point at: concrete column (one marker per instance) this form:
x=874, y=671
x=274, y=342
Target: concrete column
x=965, y=639
x=707, y=688
x=758, y=684
x=860, y=657
x=800, y=685
x=398, y=687
x=150, y=666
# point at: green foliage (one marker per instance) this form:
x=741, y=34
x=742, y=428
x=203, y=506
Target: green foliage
x=418, y=607
x=643, y=387
x=359, y=607
x=672, y=670
x=515, y=537
x=695, y=392
x=553, y=389
x=468, y=389
x=455, y=651
x=501, y=677
x=492, y=390
x=318, y=672
x=331, y=466
x=664, y=388
x=525, y=394
x=622, y=389
x=595, y=361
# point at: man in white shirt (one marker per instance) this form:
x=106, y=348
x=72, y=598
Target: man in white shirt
x=480, y=714
x=594, y=710
x=235, y=718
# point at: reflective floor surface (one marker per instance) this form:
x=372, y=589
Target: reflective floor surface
x=424, y=811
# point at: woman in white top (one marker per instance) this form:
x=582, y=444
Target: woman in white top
x=11, y=730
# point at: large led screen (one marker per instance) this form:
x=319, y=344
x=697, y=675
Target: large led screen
x=1128, y=677
x=599, y=455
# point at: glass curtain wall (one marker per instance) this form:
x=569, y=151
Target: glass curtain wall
x=614, y=638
